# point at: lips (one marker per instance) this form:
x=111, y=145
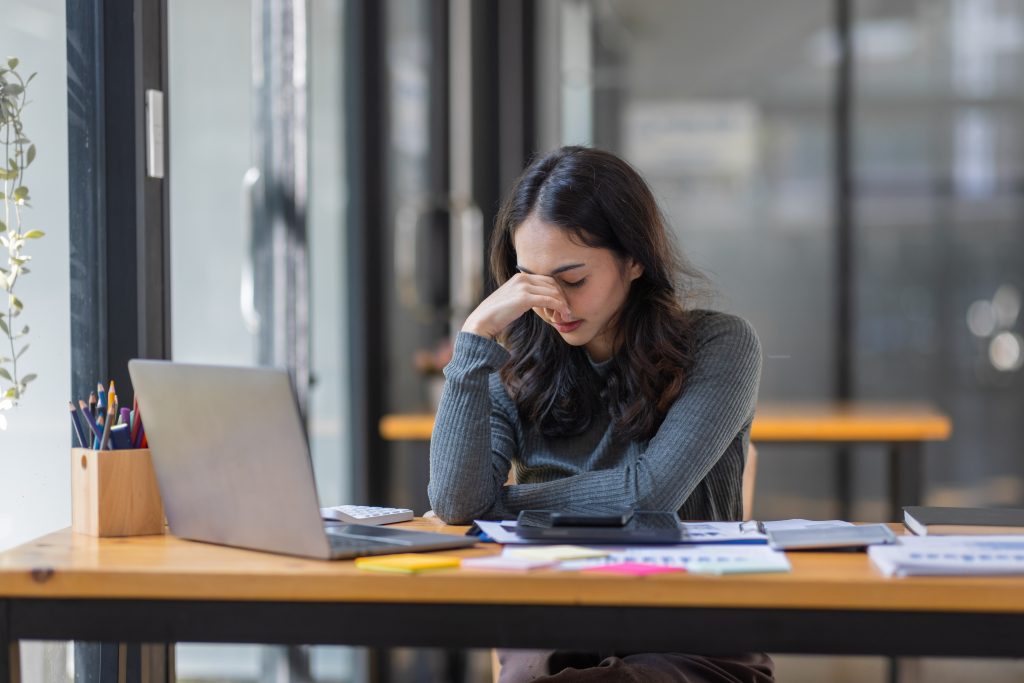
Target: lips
x=566, y=328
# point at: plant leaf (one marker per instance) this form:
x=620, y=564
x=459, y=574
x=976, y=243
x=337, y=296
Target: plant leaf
x=28, y=378
x=3, y=326
x=12, y=62
x=6, y=375
x=23, y=350
x=20, y=192
x=31, y=155
x=33, y=234
x=16, y=303
x=3, y=227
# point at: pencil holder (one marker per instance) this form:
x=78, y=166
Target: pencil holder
x=114, y=493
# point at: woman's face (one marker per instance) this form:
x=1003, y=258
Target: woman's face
x=595, y=283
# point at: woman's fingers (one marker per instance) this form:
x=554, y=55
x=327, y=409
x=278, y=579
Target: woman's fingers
x=519, y=294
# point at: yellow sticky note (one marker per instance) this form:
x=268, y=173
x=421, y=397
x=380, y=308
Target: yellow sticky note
x=554, y=553
x=406, y=563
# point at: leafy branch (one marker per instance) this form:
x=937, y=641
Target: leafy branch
x=18, y=155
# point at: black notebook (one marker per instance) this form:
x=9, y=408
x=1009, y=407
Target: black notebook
x=942, y=521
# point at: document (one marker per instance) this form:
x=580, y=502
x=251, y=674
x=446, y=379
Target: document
x=694, y=532
x=951, y=556
x=696, y=559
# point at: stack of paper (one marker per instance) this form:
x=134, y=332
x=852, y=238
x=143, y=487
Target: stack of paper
x=950, y=556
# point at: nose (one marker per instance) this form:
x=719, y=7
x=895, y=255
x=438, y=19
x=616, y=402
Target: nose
x=555, y=316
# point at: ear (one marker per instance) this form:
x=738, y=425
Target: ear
x=636, y=269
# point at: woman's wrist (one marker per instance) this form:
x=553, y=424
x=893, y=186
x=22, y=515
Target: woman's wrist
x=479, y=330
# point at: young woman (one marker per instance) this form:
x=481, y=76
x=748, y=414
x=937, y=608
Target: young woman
x=585, y=376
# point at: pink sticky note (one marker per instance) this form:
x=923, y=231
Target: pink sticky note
x=634, y=569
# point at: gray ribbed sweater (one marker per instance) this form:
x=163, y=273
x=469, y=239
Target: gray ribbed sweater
x=694, y=464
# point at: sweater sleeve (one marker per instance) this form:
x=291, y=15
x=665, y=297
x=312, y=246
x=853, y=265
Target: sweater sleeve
x=716, y=404
x=473, y=441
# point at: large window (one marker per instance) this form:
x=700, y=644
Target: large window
x=35, y=494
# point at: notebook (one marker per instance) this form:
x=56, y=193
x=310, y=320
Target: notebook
x=233, y=465
x=925, y=521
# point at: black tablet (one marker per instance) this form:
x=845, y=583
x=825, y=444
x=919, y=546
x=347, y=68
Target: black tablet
x=626, y=529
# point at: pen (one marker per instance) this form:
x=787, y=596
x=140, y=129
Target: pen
x=79, y=432
x=126, y=417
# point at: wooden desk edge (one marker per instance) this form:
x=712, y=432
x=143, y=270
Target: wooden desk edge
x=925, y=427
x=63, y=565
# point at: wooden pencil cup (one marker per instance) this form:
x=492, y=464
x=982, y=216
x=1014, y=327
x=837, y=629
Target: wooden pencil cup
x=114, y=493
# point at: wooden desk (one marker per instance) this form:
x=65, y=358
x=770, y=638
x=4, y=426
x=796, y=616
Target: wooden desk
x=161, y=589
x=902, y=427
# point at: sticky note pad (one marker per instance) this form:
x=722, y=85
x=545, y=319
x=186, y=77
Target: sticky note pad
x=406, y=563
x=633, y=569
x=554, y=553
x=499, y=562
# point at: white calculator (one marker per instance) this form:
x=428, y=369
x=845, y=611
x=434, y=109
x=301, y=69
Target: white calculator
x=366, y=514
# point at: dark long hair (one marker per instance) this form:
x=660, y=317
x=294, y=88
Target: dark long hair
x=602, y=202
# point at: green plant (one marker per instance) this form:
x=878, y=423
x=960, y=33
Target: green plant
x=18, y=155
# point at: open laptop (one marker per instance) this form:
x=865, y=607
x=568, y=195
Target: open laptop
x=233, y=465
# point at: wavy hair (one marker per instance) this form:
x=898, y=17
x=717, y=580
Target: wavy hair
x=601, y=201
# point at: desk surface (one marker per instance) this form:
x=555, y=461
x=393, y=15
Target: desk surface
x=161, y=589
x=852, y=421
x=67, y=565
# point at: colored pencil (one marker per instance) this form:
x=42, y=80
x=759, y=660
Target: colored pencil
x=86, y=416
x=106, y=427
x=79, y=432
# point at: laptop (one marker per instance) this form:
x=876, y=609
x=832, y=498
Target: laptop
x=233, y=466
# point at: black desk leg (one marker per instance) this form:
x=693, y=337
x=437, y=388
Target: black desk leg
x=905, y=477
x=844, y=481
x=10, y=665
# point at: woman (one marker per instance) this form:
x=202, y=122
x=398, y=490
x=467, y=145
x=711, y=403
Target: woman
x=585, y=376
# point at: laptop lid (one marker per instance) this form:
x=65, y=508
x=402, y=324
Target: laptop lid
x=231, y=456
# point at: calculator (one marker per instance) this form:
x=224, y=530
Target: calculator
x=365, y=514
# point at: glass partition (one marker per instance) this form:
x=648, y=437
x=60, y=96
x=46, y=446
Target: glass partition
x=35, y=435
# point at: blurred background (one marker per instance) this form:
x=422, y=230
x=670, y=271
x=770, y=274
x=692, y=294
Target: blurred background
x=847, y=173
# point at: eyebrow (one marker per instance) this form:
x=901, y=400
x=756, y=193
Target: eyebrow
x=556, y=271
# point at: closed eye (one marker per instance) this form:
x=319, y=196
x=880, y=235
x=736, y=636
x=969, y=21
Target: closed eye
x=577, y=283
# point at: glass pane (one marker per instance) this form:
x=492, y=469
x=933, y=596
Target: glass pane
x=212, y=137
x=728, y=114
x=210, y=109
x=34, y=475
x=940, y=249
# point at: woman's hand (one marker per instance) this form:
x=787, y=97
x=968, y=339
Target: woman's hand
x=514, y=298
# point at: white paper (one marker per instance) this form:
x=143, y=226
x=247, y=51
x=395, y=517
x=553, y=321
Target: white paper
x=706, y=559
x=950, y=556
